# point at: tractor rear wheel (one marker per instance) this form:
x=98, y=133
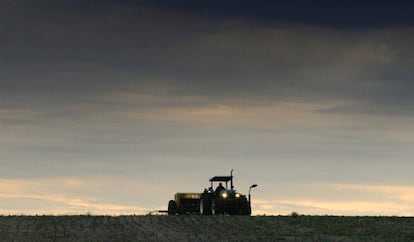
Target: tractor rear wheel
x=245, y=208
x=172, y=207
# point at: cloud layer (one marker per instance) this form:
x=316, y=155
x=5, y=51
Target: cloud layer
x=155, y=94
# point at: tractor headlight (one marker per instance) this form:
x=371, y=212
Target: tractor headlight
x=224, y=194
x=237, y=195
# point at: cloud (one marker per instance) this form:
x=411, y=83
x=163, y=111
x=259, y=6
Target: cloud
x=82, y=57
x=59, y=196
x=323, y=13
x=385, y=200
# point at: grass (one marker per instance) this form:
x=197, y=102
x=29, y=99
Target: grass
x=205, y=228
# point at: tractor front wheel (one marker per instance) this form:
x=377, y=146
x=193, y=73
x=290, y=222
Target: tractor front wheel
x=215, y=208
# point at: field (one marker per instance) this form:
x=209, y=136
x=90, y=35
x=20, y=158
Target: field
x=205, y=228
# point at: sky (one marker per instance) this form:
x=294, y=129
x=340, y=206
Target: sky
x=111, y=107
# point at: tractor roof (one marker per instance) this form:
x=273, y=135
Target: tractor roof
x=220, y=178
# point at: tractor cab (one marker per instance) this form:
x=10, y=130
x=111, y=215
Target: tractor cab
x=223, y=191
x=220, y=180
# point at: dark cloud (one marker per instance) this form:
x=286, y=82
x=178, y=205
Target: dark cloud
x=350, y=14
x=61, y=56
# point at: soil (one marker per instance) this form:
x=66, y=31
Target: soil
x=205, y=228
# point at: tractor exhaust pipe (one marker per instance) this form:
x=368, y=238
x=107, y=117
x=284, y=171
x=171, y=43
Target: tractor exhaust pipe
x=250, y=188
x=231, y=180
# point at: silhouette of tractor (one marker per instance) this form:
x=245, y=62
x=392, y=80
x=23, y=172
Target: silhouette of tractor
x=222, y=200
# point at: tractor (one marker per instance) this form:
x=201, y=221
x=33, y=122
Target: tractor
x=222, y=200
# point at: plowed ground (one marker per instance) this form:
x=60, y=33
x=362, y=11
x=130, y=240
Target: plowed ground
x=205, y=228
